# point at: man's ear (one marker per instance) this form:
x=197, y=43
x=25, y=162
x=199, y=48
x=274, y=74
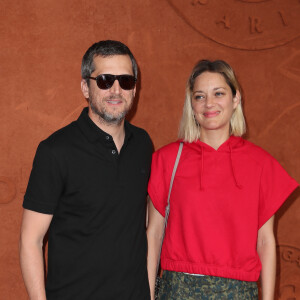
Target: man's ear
x=236, y=99
x=84, y=88
x=134, y=91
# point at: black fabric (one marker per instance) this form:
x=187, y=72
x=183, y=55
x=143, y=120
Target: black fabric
x=97, y=242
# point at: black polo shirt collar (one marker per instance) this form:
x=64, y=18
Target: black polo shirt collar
x=94, y=133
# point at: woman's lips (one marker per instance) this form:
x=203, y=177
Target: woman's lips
x=211, y=114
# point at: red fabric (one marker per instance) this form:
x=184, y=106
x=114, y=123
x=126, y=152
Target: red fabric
x=220, y=198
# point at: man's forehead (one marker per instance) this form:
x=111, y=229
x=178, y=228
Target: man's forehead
x=113, y=63
x=111, y=58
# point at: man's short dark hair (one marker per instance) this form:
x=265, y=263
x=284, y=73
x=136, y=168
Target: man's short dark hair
x=105, y=49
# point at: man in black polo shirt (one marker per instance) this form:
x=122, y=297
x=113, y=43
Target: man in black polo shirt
x=88, y=185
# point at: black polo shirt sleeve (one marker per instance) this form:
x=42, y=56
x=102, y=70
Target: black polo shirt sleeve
x=45, y=183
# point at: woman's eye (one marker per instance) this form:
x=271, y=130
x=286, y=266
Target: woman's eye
x=218, y=94
x=199, y=97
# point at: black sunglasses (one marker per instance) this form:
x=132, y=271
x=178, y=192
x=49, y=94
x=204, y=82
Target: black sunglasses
x=106, y=81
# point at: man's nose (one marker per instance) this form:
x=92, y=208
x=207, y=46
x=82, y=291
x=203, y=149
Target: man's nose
x=116, y=88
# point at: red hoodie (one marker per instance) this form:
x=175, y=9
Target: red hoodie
x=219, y=200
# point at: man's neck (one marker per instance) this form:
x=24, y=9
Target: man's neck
x=117, y=131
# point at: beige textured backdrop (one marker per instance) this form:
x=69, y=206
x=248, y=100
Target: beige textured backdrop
x=42, y=43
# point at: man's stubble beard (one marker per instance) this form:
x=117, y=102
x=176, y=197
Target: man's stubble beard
x=108, y=118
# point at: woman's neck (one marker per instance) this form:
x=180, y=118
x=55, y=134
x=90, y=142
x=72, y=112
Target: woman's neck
x=214, y=138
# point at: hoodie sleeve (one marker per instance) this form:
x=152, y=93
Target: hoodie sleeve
x=275, y=187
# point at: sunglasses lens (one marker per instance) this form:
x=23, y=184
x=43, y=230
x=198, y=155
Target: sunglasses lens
x=105, y=81
x=127, y=82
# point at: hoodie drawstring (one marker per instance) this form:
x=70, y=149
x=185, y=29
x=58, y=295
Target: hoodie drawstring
x=232, y=168
x=202, y=167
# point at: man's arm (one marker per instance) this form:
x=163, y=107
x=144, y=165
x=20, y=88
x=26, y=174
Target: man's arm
x=154, y=236
x=33, y=229
x=266, y=249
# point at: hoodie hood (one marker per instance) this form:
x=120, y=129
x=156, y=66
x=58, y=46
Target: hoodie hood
x=230, y=146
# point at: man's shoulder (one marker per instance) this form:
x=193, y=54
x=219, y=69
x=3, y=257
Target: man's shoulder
x=139, y=133
x=137, y=130
x=63, y=137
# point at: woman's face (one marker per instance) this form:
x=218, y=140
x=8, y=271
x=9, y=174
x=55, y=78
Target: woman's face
x=213, y=103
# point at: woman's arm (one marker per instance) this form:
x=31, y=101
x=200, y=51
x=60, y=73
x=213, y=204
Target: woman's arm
x=154, y=236
x=266, y=249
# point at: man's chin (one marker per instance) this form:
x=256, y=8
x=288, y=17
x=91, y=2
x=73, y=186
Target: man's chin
x=111, y=119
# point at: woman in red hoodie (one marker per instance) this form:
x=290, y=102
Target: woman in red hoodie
x=219, y=237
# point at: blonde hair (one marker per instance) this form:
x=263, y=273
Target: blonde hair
x=189, y=129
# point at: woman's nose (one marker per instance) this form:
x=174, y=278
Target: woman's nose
x=209, y=101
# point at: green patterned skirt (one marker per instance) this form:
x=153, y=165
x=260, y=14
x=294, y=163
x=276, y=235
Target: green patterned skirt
x=180, y=286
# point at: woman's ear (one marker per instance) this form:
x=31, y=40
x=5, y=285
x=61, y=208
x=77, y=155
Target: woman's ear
x=236, y=99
